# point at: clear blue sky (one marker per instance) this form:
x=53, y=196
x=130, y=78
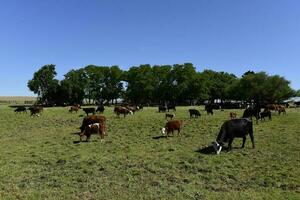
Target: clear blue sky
x=222, y=35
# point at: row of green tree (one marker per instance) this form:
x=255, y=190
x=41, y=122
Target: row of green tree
x=178, y=84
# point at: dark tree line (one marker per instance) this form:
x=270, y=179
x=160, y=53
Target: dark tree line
x=158, y=84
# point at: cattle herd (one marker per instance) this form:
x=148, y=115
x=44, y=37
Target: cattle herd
x=231, y=128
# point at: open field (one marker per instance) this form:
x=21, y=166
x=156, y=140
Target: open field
x=40, y=158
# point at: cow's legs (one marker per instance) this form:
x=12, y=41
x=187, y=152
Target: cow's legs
x=229, y=144
x=244, y=140
x=252, y=140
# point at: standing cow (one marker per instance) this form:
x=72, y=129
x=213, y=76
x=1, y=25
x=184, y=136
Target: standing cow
x=194, y=112
x=234, y=128
x=171, y=126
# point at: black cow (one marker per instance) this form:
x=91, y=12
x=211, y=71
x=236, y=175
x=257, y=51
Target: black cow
x=209, y=109
x=194, y=112
x=235, y=128
x=21, y=109
x=265, y=113
x=252, y=112
x=100, y=109
x=89, y=110
x=171, y=107
x=162, y=109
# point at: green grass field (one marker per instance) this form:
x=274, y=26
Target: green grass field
x=41, y=158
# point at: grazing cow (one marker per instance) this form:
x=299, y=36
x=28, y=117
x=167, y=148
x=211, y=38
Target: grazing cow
x=35, y=110
x=132, y=108
x=194, y=112
x=171, y=107
x=232, y=115
x=92, y=119
x=162, y=109
x=121, y=110
x=93, y=128
x=100, y=109
x=21, y=109
x=265, y=113
x=170, y=116
x=171, y=126
x=209, y=109
x=234, y=128
x=74, y=109
x=281, y=109
x=89, y=110
x=271, y=107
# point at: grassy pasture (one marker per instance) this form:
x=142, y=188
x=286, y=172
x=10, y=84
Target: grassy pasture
x=41, y=159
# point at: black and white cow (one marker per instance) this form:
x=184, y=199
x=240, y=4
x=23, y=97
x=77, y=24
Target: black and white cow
x=234, y=128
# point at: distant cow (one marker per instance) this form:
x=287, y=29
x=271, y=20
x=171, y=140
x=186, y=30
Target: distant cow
x=251, y=112
x=89, y=110
x=92, y=119
x=265, y=113
x=21, y=109
x=209, y=109
x=35, y=110
x=93, y=128
x=121, y=110
x=171, y=107
x=162, y=109
x=170, y=116
x=281, y=109
x=100, y=109
x=74, y=109
x=235, y=128
x=194, y=112
x=171, y=126
x=232, y=115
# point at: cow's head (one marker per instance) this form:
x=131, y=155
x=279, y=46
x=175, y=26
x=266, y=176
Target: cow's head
x=217, y=147
x=163, y=131
x=130, y=112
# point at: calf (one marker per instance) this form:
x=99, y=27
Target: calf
x=171, y=126
x=21, y=109
x=265, y=113
x=89, y=110
x=93, y=128
x=170, y=116
x=234, y=128
x=194, y=112
x=232, y=115
x=73, y=109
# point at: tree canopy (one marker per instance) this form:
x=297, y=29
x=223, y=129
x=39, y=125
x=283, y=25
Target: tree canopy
x=158, y=84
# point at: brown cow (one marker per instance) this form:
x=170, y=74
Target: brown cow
x=281, y=109
x=35, y=110
x=232, y=115
x=74, y=108
x=92, y=119
x=93, y=128
x=121, y=110
x=171, y=126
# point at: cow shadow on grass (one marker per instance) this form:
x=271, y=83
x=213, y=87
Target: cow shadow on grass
x=209, y=150
x=159, y=137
